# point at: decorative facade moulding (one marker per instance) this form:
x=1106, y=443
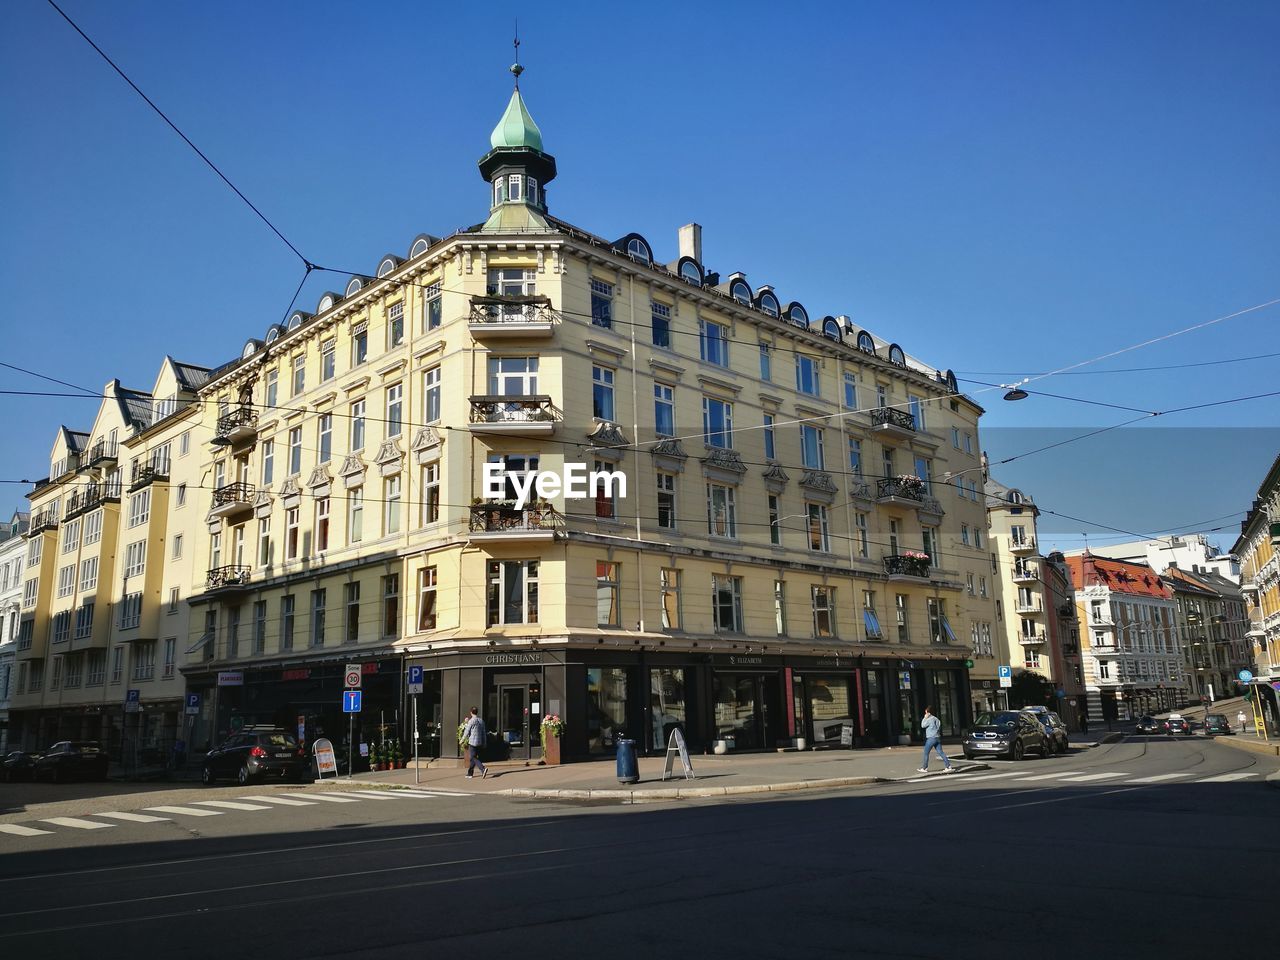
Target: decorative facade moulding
x=818, y=485
x=714, y=383
x=426, y=444
x=607, y=441
x=723, y=465
x=290, y=493
x=262, y=504
x=318, y=482
x=776, y=479
x=670, y=369
x=389, y=459
x=352, y=472
x=669, y=455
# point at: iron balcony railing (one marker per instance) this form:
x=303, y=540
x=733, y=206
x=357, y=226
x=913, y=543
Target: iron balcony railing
x=232, y=494
x=229, y=575
x=145, y=474
x=892, y=417
x=506, y=518
x=508, y=409
x=92, y=495
x=104, y=451
x=905, y=565
x=242, y=419
x=492, y=309
x=907, y=488
x=44, y=520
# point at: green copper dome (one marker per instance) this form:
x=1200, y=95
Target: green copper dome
x=516, y=128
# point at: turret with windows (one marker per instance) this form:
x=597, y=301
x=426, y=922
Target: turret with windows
x=516, y=169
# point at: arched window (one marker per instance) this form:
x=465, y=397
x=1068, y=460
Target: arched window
x=249, y=350
x=354, y=286
x=326, y=303
x=419, y=246
x=740, y=291
x=273, y=334
x=637, y=249
x=951, y=382
x=831, y=328
x=797, y=315
x=295, y=321
x=386, y=266
x=769, y=304
x=690, y=272
x=865, y=343
x=896, y=356
x=1015, y=496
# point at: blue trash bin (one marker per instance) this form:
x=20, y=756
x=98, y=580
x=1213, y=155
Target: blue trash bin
x=628, y=768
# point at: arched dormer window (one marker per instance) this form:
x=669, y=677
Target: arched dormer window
x=740, y=292
x=354, y=286
x=952, y=386
x=419, y=247
x=768, y=303
x=326, y=303
x=831, y=328
x=1015, y=496
x=865, y=343
x=896, y=356
x=249, y=350
x=637, y=249
x=273, y=334
x=295, y=321
x=797, y=316
x=388, y=264
x=690, y=272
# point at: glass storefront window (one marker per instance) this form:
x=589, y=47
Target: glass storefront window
x=668, y=709
x=829, y=707
x=946, y=701
x=606, y=707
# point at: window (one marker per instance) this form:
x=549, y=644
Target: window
x=60, y=627
x=807, y=375
x=882, y=395
x=286, y=621
x=395, y=409
x=117, y=664
x=67, y=580
x=860, y=536
x=664, y=410
x=780, y=607
x=70, y=536
x=955, y=442
x=299, y=374
x=317, y=617
x=135, y=559
x=352, y=626
x=291, y=533
x=969, y=584
x=173, y=599
x=355, y=516
x=322, y=525
x=391, y=505
x=669, y=581
x=435, y=313
x=824, y=618
x=130, y=611
x=513, y=376
x=916, y=406
x=968, y=443
x=170, y=652
x=391, y=605
x=605, y=494
x=97, y=669
x=264, y=542
x=430, y=492
x=851, y=391
x=88, y=573
x=359, y=344
x=177, y=546
x=29, y=593
x=513, y=592
x=977, y=537
x=139, y=508
x=427, y=599
x=900, y=609
x=259, y=627
x=608, y=613
x=601, y=303
x=717, y=423
x=36, y=681
x=713, y=340
x=770, y=450
x=325, y=424
x=233, y=632
x=939, y=628
x=273, y=389
x=766, y=361
x=602, y=393
x=295, y=451
x=722, y=518
x=964, y=534
x=55, y=679
x=357, y=425
x=93, y=523
x=215, y=549
x=431, y=395
x=775, y=520
x=982, y=586
x=666, y=500
x=268, y=462
x=811, y=447
x=328, y=360
x=816, y=516
x=726, y=603
x=514, y=185
x=929, y=543
x=34, y=550
x=660, y=317
x=395, y=325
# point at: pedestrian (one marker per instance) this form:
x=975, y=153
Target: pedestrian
x=932, y=728
x=1240, y=720
x=473, y=734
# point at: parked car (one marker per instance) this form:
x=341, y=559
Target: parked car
x=72, y=760
x=1216, y=724
x=1177, y=724
x=18, y=765
x=1008, y=733
x=1148, y=724
x=258, y=753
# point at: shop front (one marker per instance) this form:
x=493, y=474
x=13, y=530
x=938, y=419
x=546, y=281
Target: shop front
x=896, y=691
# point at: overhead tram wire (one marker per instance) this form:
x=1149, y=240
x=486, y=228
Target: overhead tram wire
x=41, y=376
x=1098, y=373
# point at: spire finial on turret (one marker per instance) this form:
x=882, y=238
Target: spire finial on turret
x=515, y=68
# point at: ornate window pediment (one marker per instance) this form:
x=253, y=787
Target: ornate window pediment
x=426, y=444
x=389, y=459
x=290, y=493
x=352, y=472
x=262, y=504
x=669, y=455
x=723, y=465
x=775, y=478
x=607, y=441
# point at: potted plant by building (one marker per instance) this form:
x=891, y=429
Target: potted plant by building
x=397, y=760
x=552, y=728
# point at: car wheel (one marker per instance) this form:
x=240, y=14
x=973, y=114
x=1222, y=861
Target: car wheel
x=242, y=777
x=1018, y=751
x=206, y=776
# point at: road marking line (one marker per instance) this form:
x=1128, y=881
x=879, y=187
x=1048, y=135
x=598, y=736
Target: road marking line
x=1049, y=776
x=1160, y=778
x=186, y=811
x=20, y=831
x=1092, y=776
x=434, y=793
x=1227, y=777
x=361, y=795
x=76, y=822
x=230, y=805
x=996, y=776
x=330, y=798
x=283, y=801
x=133, y=817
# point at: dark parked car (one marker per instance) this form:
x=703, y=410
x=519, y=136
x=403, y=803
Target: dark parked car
x=1216, y=724
x=1008, y=734
x=18, y=766
x=1177, y=724
x=1055, y=731
x=258, y=753
x=72, y=760
x=1148, y=724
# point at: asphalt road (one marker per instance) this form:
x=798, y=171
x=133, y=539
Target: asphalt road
x=1119, y=851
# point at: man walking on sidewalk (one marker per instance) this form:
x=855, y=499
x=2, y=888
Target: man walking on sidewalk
x=473, y=734
x=932, y=728
x=1240, y=719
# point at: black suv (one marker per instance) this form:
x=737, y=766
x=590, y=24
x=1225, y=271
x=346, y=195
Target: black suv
x=1008, y=733
x=258, y=753
x=72, y=760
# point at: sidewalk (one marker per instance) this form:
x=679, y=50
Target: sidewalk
x=716, y=775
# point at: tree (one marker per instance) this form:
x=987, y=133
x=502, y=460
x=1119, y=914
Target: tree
x=1030, y=689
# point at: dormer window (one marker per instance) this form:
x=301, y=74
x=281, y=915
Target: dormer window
x=831, y=328
x=740, y=292
x=499, y=190
x=637, y=250
x=515, y=187
x=866, y=344
x=532, y=187
x=690, y=273
x=769, y=304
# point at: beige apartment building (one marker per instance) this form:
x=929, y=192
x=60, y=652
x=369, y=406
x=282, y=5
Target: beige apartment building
x=785, y=562
x=104, y=617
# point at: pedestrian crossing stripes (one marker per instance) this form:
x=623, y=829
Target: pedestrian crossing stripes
x=186, y=811
x=1162, y=778
x=1091, y=777
x=232, y=805
x=1049, y=776
x=18, y=830
x=1227, y=778
x=76, y=823
x=132, y=817
x=282, y=801
x=1107, y=778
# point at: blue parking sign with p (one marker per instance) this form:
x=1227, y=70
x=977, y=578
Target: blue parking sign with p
x=1006, y=671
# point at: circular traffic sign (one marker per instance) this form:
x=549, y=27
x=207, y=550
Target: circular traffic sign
x=352, y=678
x=1245, y=676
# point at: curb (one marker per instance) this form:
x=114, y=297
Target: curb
x=1267, y=749
x=1272, y=779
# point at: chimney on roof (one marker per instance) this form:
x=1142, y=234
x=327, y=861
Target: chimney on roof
x=691, y=241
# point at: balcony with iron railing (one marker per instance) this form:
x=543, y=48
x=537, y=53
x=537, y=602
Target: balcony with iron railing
x=1030, y=607
x=145, y=474
x=103, y=453
x=1022, y=546
x=237, y=426
x=907, y=566
x=232, y=499
x=91, y=496
x=891, y=422
x=42, y=521
x=519, y=316
x=1026, y=574
x=1031, y=639
x=229, y=577
x=906, y=490
x=504, y=521
x=522, y=416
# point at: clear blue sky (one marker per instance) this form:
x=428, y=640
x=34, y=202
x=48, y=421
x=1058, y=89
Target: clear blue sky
x=1003, y=187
